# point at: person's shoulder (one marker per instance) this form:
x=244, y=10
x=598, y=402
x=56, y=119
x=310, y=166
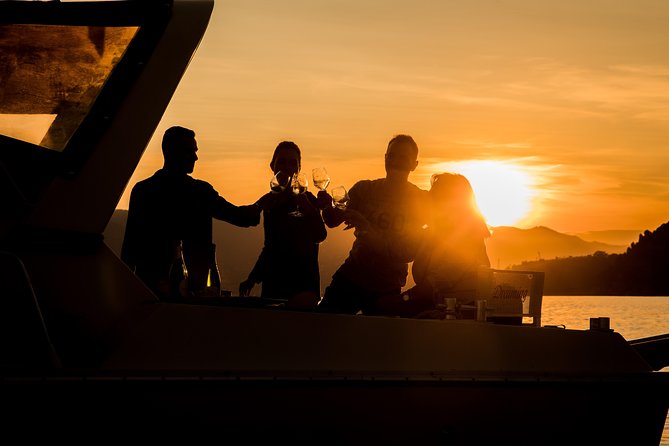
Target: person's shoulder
x=365, y=184
x=420, y=196
x=418, y=190
x=147, y=183
x=202, y=190
x=200, y=185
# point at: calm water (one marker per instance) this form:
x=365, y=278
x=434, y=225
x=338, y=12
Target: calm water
x=633, y=317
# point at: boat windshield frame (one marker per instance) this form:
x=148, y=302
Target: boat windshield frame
x=30, y=166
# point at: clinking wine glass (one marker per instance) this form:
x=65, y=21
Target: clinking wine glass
x=298, y=185
x=320, y=177
x=279, y=182
x=339, y=197
x=340, y=200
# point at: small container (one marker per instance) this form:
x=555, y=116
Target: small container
x=481, y=310
x=451, y=303
x=600, y=323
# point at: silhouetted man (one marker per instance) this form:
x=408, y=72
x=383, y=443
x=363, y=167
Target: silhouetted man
x=388, y=215
x=172, y=207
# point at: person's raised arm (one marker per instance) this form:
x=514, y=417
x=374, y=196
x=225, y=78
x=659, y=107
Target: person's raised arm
x=333, y=217
x=222, y=209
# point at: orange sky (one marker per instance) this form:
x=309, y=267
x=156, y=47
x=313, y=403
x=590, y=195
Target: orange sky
x=572, y=95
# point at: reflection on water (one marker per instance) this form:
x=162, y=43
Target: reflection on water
x=633, y=317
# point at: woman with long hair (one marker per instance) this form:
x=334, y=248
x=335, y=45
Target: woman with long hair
x=454, y=248
x=451, y=253
x=287, y=266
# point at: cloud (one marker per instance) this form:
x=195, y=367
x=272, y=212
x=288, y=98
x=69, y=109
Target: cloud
x=576, y=95
x=644, y=70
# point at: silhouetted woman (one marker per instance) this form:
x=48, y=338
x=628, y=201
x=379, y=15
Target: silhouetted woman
x=287, y=266
x=451, y=253
x=454, y=248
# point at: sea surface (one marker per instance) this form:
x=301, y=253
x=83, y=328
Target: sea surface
x=634, y=317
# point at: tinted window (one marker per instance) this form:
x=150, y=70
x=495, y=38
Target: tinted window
x=51, y=75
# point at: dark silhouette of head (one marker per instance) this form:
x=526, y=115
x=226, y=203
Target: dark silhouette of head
x=453, y=188
x=401, y=155
x=287, y=158
x=179, y=150
x=454, y=202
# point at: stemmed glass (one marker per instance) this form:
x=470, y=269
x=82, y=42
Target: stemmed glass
x=279, y=182
x=339, y=197
x=320, y=177
x=298, y=185
x=340, y=200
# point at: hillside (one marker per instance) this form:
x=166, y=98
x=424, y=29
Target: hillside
x=640, y=271
x=613, y=237
x=238, y=248
x=511, y=246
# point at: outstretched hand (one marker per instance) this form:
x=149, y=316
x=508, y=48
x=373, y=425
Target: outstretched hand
x=245, y=287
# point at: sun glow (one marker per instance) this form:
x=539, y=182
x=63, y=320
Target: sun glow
x=503, y=190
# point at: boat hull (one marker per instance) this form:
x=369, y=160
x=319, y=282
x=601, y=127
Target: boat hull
x=362, y=409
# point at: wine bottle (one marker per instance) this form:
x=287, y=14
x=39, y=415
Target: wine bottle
x=214, y=276
x=178, y=277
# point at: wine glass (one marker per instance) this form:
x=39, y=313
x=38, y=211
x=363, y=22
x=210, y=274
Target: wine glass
x=340, y=201
x=298, y=185
x=339, y=197
x=279, y=182
x=320, y=177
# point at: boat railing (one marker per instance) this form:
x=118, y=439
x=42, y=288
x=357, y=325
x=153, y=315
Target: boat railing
x=512, y=294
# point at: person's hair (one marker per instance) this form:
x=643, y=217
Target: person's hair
x=405, y=139
x=290, y=145
x=452, y=186
x=456, y=190
x=173, y=137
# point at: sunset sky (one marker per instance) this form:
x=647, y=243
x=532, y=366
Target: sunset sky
x=557, y=111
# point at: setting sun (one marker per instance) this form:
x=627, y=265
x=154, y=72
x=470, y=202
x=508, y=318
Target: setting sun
x=503, y=190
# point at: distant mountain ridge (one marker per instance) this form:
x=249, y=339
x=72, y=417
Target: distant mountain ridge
x=640, y=271
x=510, y=246
x=238, y=248
x=613, y=237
